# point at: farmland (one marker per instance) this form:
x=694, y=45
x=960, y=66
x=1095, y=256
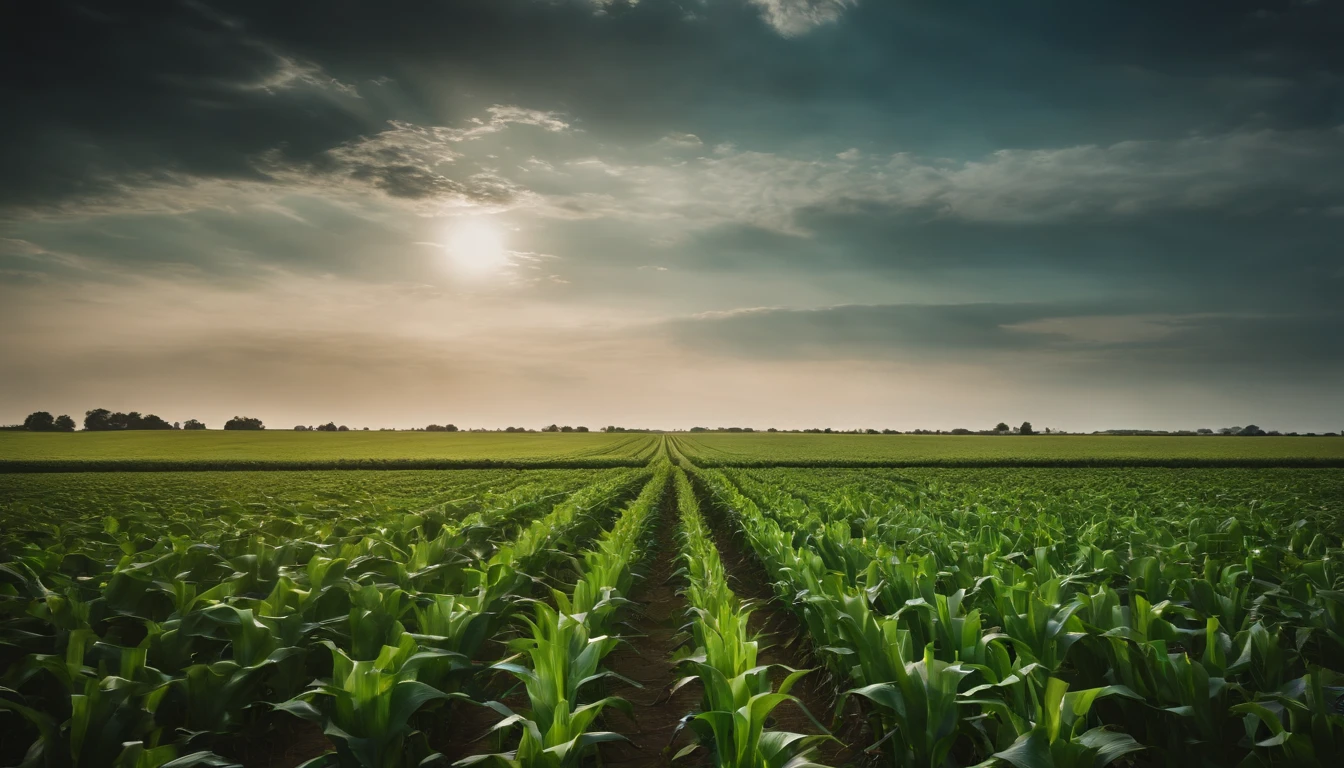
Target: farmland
x=798, y=449
x=755, y=615
x=203, y=450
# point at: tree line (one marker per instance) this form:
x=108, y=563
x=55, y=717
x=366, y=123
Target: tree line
x=103, y=420
x=1000, y=429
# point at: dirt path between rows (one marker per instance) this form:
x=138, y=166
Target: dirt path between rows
x=782, y=639
x=656, y=618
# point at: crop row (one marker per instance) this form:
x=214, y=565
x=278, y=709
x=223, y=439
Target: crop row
x=35, y=500
x=970, y=451
x=738, y=694
x=1040, y=634
x=560, y=658
x=138, y=644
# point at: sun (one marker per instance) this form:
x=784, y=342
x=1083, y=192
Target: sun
x=476, y=247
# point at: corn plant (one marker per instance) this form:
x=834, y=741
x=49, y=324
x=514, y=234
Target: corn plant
x=565, y=645
x=738, y=694
x=367, y=706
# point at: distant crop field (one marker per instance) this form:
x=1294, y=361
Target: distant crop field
x=757, y=449
x=274, y=449
x=52, y=496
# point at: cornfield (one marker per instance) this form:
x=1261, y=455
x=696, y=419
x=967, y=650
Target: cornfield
x=951, y=617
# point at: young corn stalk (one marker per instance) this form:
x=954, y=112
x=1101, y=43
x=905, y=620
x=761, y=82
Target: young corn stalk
x=565, y=647
x=739, y=696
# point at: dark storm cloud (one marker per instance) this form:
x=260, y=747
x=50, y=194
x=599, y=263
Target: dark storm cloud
x=143, y=92
x=1181, y=260
x=140, y=92
x=1117, y=337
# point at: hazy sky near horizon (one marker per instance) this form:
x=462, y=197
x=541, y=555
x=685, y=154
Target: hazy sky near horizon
x=789, y=213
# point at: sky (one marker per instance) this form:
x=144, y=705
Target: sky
x=676, y=213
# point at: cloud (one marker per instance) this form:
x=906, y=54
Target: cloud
x=415, y=164
x=1103, y=337
x=796, y=17
x=411, y=162
x=677, y=140
x=292, y=73
x=1249, y=171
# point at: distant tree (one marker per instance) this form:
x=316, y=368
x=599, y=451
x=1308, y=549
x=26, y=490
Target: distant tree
x=450, y=428
x=566, y=429
x=119, y=420
x=342, y=428
x=243, y=423
x=96, y=420
x=1204, y=431
x=1001, y=427
x=151, y=422
x=300, y=428
x=193, y=424
x=1251, y=430
x=64, y=423
x=961, y=431
x=552, y=428
x=41, y=421
x=828, y=431
x=772, y=429
x=699, y=429
x=330, y=426
x=1026, y=429
x=580, y=429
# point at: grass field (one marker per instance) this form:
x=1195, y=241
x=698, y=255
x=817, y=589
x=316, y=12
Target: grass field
x=756, y=449
x=317, y=450
x=85, y=451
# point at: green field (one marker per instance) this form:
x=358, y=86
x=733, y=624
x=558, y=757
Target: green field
x=766, y=449
x=997, y=615
x=47, y=496
x=87, y=451
x=318, y=450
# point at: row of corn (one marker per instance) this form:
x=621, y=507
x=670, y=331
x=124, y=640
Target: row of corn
x=1043, y=639
x=559, y=659
x=127, y=643
x=738, y=693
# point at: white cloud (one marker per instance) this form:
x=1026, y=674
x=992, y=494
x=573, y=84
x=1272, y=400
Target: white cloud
x=678, y=140
x=413, y=166
x=796, y=17
x=291, y=72
x=1240, y=169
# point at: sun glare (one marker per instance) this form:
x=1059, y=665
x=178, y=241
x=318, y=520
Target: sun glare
x=476, y=248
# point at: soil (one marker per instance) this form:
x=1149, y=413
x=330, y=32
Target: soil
x=782, y=642
x=279, y=740
x=658, y=613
